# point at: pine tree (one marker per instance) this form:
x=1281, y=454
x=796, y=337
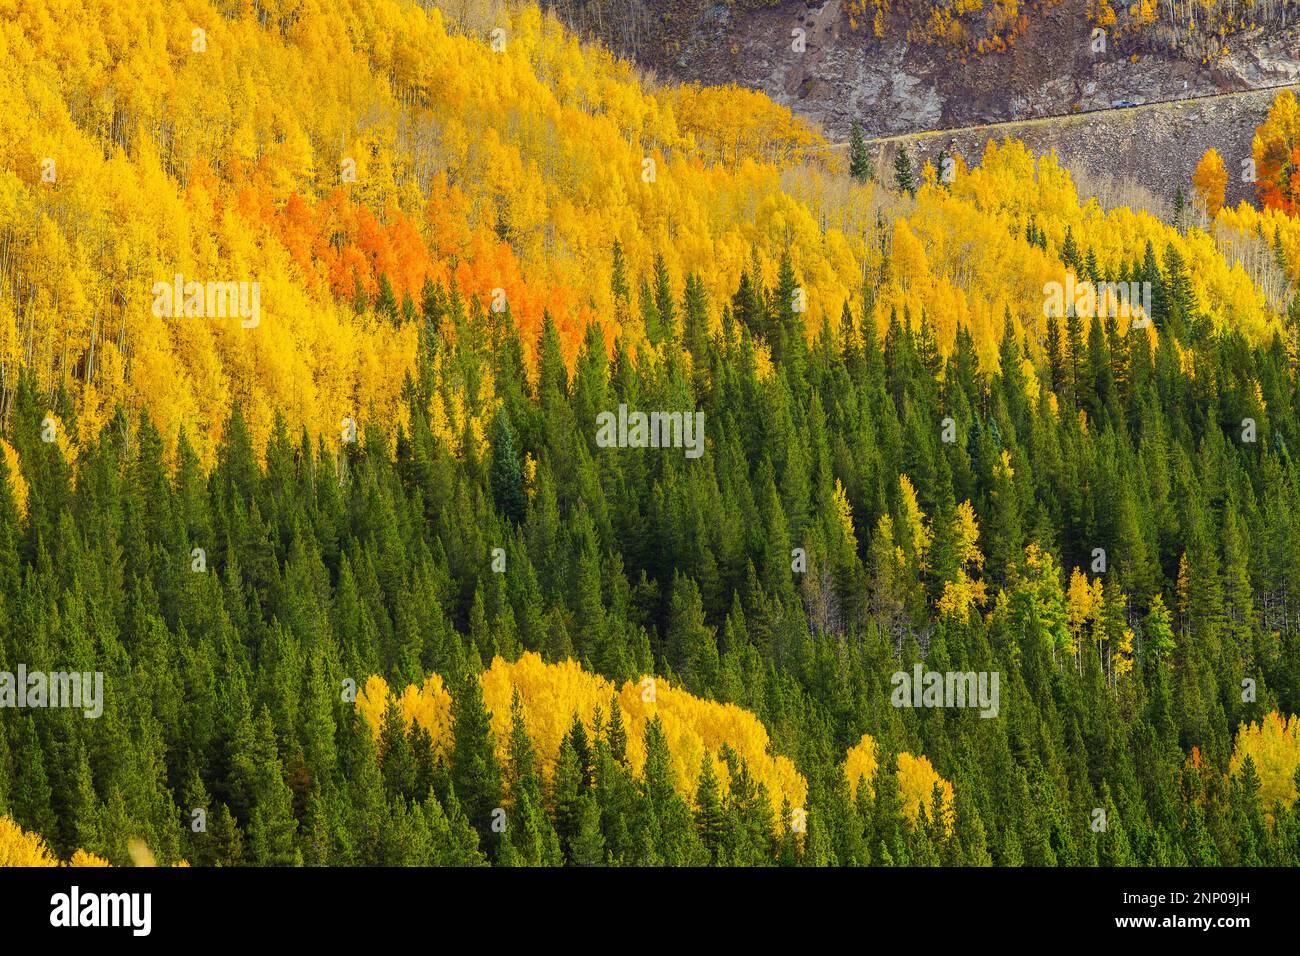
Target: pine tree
x=708, y=808
x=507, y=474
x=385, y=303
x=860, y=166
x=588, y=846
x=665, y=308
x=474, y=771
x=904, y=178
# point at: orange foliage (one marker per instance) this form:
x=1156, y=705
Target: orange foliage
x=423, y=154
x=1210, y=180
x=1276, y=151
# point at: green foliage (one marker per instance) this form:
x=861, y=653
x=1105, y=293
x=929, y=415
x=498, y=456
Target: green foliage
x=860, y=166
x=223, y=685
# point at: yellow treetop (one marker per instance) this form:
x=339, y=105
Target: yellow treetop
x=20, y=848
x=552, y=694
x=1274, y=745
x=964, y=593
x=916, y=781
x=860, y=764
x=913, y=530
x=1210, y=180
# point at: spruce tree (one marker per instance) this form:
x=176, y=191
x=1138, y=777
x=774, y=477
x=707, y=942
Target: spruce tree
x=860, y=165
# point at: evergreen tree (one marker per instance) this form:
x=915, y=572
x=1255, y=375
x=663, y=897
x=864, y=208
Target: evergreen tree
x=860, y=166
x=904, y=178
x=474, y=770
x=507, y=475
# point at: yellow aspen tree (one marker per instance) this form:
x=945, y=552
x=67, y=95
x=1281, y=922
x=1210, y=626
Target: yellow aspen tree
x=964, y=594
x=916, y=782
x=83, y=859
x=1274, y=746
x=20, y=848
x=1210, y=180
x=860, y=764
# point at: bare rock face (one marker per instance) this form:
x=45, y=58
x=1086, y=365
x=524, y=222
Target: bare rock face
x=1127, y=117
x=1156, y=146
x=807, y=55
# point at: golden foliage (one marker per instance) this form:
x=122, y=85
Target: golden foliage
x=552, y=694
x=429, y=706
x=418, y=153
x=964, y=594
x=82, y=858
x=913, y=534
x=129, y=158
x=1274, y=745
x=20, y=848
x=1122, y=658
x=860, y=764
x=693, y=726
x=844, y=516
x=1276, y=152
x=17, y=482
x=1084, y=603
x=1210, y=180
x=916, y=781
x=372, y=703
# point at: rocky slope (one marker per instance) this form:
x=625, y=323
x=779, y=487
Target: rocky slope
x=1138, y=156
x=844, y=73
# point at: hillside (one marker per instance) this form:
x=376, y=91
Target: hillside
x=419, y=166
x=555, y=466
x=911, y=65
x=1139, y=156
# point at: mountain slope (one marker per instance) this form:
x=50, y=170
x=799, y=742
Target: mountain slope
x=426, y=159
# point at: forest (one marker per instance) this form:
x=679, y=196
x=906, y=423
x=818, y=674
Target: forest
x=366, y=587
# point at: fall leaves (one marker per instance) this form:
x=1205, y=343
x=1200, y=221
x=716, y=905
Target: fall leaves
x=695, y=729
x=1274, y=165
x=917, y=780
x=552, y=694
x=425, y=156
x=1276, y=151
x=1210, y=180
x=422, y=155
x=20, y=848
x=1273, y=745
x=962, y=595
